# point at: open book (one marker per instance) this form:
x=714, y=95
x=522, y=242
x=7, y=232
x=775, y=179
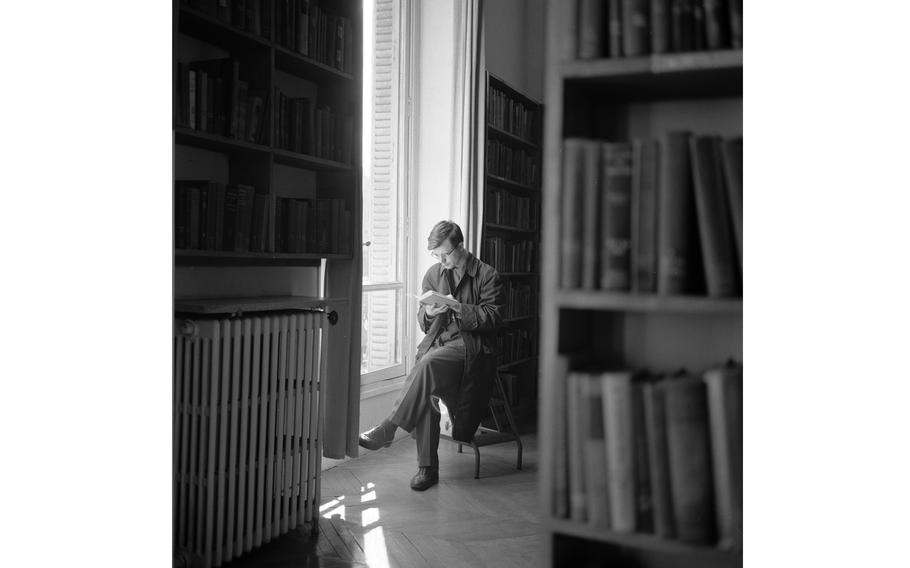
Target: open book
x=431, y=297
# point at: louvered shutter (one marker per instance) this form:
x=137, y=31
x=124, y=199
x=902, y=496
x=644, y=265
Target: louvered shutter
x=383, y=203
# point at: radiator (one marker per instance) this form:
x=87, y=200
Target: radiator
x=246, y=427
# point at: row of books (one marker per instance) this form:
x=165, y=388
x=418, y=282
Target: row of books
x=511, y=115
x=516, y=164
x=652, y=454
x=650, y=216
x=505, y=208
x=251, y=16
x=311, y=30
x=516, y=343
x=520, y=298
x=212, y=216
x=625, y=28
x=323, y=131
x=212, y=98
x=508, y=255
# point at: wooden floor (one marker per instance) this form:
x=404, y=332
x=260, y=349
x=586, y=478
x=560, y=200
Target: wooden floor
x=371, y=517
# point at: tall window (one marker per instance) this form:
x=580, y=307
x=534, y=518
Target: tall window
x=385, y=112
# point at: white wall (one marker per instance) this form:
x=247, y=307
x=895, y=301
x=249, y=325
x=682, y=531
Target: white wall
x=514, y=34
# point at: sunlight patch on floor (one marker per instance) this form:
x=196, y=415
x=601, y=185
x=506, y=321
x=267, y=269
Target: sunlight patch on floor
x=374, y=548
x=370, y=516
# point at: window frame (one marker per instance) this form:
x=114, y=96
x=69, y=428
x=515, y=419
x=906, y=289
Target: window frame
x=386, y=379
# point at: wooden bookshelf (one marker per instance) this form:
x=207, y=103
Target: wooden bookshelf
x=250, y=200
x=265, y=65
x=620, y=99
x=629, y=302
x=510, y=184
x=514, y=125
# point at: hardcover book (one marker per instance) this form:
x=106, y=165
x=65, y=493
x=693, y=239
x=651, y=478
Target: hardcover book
x=616, y=216
x=725, y=406
x=689, y=453
x=714, y=228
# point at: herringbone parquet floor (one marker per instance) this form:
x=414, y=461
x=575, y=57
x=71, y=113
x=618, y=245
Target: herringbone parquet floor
x=371, y=517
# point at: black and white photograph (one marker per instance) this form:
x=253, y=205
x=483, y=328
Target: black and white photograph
x=457, y=283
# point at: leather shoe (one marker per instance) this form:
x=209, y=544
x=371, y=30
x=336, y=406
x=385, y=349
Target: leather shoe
x=379, y=436
x=426, y=477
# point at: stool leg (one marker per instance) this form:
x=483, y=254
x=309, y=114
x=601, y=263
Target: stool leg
x=459, y=448
x=476, y=460
x=508, y=409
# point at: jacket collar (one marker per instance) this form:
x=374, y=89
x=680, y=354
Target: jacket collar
x=471, y=265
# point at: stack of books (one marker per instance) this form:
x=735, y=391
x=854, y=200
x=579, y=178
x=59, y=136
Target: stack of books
x=215, y=217
x=654, y=454
x=653, y=216
x=628, y=28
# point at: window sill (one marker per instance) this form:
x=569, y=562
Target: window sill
x=380, y=388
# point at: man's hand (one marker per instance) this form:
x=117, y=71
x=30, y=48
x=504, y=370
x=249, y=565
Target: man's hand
x=436, y=309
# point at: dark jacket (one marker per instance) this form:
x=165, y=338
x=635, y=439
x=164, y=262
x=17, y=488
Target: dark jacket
x=480, y=292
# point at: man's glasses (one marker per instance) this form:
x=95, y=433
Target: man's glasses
x=444, y=255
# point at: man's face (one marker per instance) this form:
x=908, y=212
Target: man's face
x=446, y=254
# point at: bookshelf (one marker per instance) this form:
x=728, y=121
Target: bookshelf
x=609, y=97
x=267, y=98
x=267, y=118
x=511, y=230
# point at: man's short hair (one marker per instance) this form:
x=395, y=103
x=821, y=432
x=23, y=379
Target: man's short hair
x=442, y=231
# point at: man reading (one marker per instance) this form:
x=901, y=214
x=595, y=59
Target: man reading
x=456, y=360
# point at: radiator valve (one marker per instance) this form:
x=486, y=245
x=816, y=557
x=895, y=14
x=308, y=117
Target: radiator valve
x=188, y=329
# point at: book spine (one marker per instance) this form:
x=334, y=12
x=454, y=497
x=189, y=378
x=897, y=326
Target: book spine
x=620, y=442
x=270, y=243
x=698, y=25
x=338, y=60
x=735, y=12
x=725, y=407
x=675, y=216
x=713, y=223
x=658, y=456
x=644, y=509
x=577, y=495
x=194, y=224
x=212, y=216
x=202, y=101
x=180, y=216
x=348, y=66
x=572, y=182
x=644, y=217
x=221, y=193
x=714, y=24
x=688, y=441
x=230, y=218
x=591, y=235
x=595, y=451
x=590, y=32
x=616, y=217
x=234, y=98
x=660, y=26
x=614, y=28
x=302, y=31
x=191, y=99
x=732, y=160
x=635, y=27
x=305, y=27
